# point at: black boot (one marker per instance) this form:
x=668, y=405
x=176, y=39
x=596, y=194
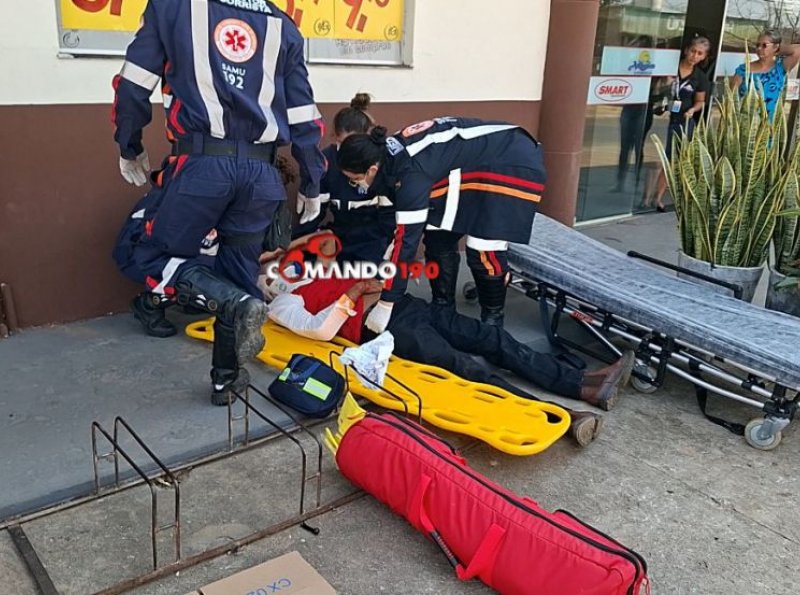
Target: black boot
x=149, y=309
x=227, y=376
x=443, y=287
x=492, y=298
x=201, y=287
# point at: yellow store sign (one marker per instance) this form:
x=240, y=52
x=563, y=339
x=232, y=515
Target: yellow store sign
x=366, y=20
x=102, y=15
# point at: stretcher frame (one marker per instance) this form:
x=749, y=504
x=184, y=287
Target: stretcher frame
x=658, y=353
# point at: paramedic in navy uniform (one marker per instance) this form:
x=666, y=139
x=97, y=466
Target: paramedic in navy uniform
x=235, y=89
x=364, y=223
x=457, y=176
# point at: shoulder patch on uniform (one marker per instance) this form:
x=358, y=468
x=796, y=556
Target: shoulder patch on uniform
x=252, y=5
x=394, y=146
x=417, y=128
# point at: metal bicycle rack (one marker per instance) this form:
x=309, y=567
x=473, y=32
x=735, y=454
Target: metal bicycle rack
x=249, y=408
x=166, y=478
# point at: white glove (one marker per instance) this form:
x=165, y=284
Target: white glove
x=378, y=318
x=135, y=170
x=308, y=208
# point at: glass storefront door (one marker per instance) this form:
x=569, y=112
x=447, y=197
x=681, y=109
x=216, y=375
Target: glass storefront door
x=637, y=49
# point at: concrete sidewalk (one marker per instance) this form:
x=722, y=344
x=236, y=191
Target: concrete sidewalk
x=710, y=514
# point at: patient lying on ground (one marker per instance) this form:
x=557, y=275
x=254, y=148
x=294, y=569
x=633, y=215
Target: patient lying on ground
x=439, y=336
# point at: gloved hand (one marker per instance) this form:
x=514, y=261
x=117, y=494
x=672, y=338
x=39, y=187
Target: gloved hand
x=378, y=318
x=308, y=208
x=135, y=170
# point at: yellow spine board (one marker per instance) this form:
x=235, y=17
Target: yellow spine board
x=507, y=422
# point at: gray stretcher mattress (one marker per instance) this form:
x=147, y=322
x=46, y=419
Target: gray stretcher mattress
x=767, y=342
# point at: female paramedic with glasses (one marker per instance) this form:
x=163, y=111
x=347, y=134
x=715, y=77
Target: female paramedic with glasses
x=363, y=221
x=450, y=177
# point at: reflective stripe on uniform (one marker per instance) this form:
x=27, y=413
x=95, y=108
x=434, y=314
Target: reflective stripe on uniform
x=202, y=68
x=139, y=76
x=411, y=217
x=451, y=204
x=167, y=274
x=303, y=113
x=448, y=135
x=486, y=245
x=378, y=201
x=272, y=48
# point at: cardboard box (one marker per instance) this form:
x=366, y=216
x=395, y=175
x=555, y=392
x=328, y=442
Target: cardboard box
x=288, y=575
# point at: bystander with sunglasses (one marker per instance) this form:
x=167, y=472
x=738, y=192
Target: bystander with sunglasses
x=768, y=71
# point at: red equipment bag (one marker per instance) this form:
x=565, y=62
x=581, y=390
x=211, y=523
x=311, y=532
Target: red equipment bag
x=509, y=542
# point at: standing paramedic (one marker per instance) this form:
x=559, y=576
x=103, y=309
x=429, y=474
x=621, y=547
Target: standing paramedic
x=453, y=177
x=235, y=89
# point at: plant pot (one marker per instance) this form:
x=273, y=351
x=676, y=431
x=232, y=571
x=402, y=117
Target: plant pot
x=785, y=299
x=746, y=277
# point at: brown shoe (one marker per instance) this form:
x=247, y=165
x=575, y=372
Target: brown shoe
x=604, y=396
x=595, y=378
x=585, y=426
x=601, y=388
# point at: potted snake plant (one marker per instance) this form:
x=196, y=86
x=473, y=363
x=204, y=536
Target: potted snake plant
x=783, y=293
x=727, y=183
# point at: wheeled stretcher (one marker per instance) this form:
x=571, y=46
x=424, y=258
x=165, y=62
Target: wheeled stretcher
x=505, y=421
x=720, y=344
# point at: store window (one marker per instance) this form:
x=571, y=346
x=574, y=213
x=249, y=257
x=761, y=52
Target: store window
x=637, y=48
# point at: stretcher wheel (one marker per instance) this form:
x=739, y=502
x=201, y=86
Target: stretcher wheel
x=470, y=292
x=751, y=435
x=643, y=386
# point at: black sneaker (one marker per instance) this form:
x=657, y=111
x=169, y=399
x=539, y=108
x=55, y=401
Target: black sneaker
x=152, y=317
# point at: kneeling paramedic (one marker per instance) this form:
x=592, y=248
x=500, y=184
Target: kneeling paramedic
x=235, y=88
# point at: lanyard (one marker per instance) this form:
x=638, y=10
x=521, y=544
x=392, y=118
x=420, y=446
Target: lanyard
x=677, y=88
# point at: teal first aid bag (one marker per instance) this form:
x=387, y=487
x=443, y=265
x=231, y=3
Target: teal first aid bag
x=309, y=386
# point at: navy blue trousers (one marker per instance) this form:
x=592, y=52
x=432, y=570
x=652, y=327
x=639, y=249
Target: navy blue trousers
x=192, y=196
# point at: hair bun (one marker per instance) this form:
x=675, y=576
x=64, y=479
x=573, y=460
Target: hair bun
x=361, y=101
x=378, y=135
